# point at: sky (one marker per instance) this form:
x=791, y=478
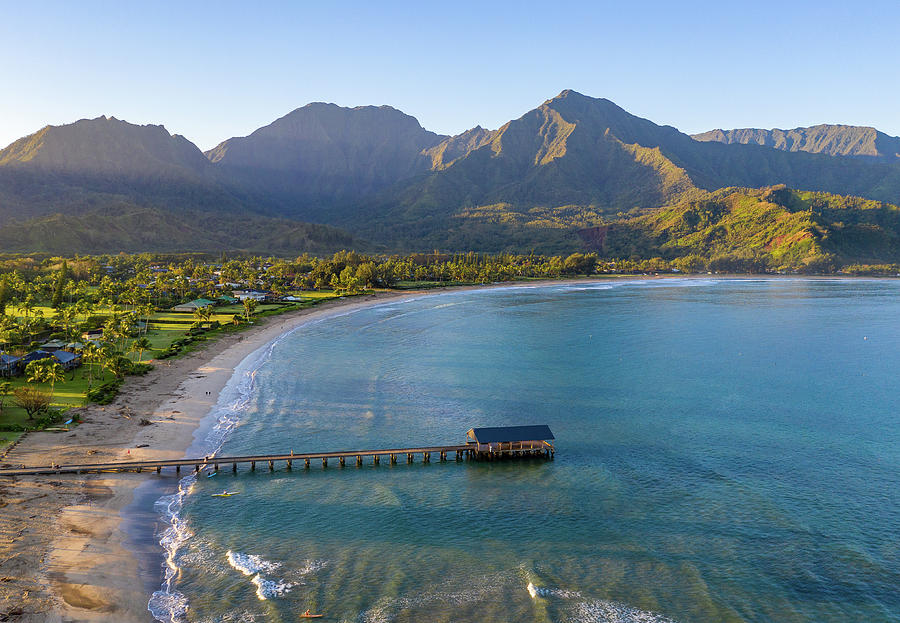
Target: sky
x=213, y=70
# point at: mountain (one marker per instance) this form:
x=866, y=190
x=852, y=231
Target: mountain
x=93, y=163
x=752, y=229
x=588, y=160
x=554, y=180
x=833, y=140
x=125, y=227
x=323, y=154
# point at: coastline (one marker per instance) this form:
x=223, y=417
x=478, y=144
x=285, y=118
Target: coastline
x=67, y=554
x=64, y=552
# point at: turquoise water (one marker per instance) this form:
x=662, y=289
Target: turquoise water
x=727, y=450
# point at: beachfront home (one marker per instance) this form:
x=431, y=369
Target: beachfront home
x=35, y=355
x=9, y=365
x=192, y=306
x=69, y=361
x=53, y=345
x=255, y=295
x=93, y=335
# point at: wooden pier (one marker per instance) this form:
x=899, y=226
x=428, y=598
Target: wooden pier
x=473, y=450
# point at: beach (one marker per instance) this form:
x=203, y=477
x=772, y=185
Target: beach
x=63, y=551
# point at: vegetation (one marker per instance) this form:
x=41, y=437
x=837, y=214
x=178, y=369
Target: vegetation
x=571, y=164
x=119, y=307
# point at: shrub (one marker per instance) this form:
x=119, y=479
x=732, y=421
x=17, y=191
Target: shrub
x=105, y=393
x=140, y=369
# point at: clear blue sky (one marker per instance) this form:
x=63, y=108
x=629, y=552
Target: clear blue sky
x=212, y=70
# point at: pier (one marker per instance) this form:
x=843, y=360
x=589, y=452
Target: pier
x=482, y=445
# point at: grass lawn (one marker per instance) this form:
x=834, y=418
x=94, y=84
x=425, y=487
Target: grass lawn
x=68, y=393
x=165, y=328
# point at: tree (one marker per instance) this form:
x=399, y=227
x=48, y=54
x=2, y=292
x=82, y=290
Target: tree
x=5, y=390
x=139, y=346
x=60, y=287
x=91, y=354
x=250, y=306
x=32, y=399
x=45, y=371
x=203, y=314
x=118, y=365
x=4, y=295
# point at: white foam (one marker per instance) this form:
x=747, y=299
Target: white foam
x=559, y=593
x=249, y=564
x=266, y=589
x=601, y=611
x=310, y=567
x=167, y=604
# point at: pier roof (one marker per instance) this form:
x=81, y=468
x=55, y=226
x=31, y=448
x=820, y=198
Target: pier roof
x=494, y=434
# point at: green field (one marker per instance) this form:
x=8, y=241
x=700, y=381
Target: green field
x=164, y=328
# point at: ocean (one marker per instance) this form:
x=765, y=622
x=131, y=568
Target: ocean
x=727, y=451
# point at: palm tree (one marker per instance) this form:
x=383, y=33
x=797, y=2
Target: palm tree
x=108, y=352
x=5, y=390
x=91, y=354
x=45, y=371
x=198, y=315
x=139, y=346
x=117, y=364
x=249, y=307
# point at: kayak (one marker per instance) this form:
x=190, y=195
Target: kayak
x=225, y=494
x=311, y=616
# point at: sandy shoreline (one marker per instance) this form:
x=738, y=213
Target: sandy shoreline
x=63, y=552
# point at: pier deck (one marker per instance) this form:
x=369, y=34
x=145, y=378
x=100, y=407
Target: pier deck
x=495, y=451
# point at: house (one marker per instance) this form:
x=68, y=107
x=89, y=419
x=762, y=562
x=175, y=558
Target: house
x=93, y=335
x=35, y=355
x=255, y=295
x=292, y=299
x=192, y=306
x=9, y=365
x=69, y=361
x=227, y=300
x=53, y=345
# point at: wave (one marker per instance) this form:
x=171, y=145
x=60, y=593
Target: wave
x=257, y=566
x=167, y=604
x=596, y=611
x=266, y=589
x=249, y=564
x=601, y=611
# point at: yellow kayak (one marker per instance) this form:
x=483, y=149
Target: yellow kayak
x=225, y=494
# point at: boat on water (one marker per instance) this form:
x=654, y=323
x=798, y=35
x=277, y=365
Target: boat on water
x=225, y=494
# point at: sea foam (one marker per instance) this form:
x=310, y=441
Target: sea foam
x=250, y=564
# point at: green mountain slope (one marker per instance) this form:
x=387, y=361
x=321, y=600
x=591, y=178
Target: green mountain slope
x=767, y=228
x=125, y=227
x=581, y=153
x=833, y=140
x=94, y=163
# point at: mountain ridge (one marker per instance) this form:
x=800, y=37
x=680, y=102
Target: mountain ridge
x=830, y=139
x=572, y=163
